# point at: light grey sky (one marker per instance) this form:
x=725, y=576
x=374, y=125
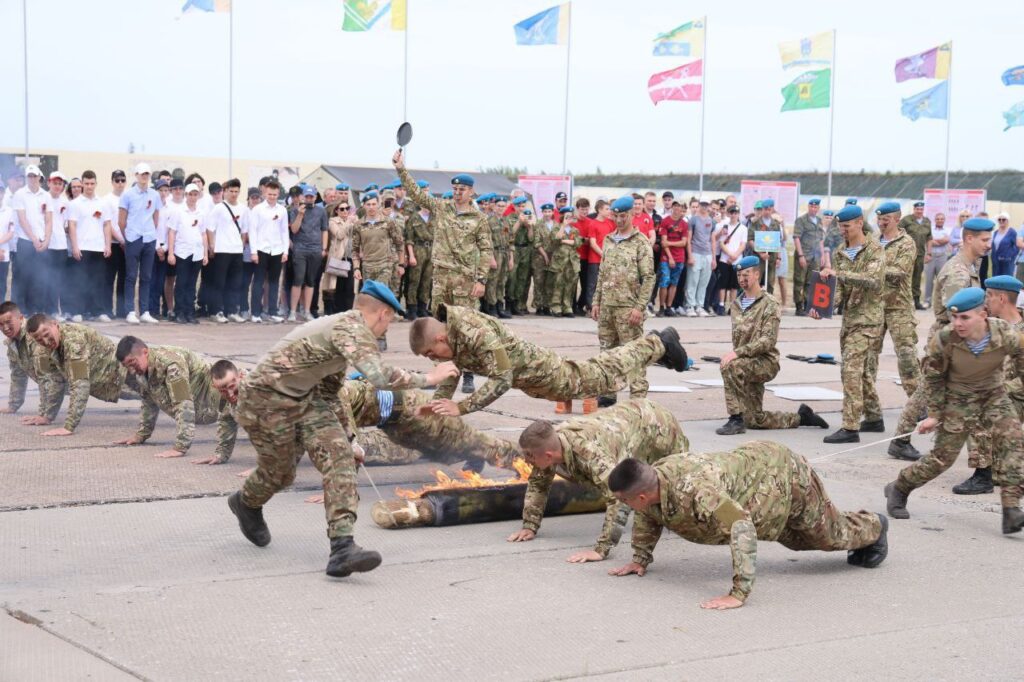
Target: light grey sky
x=103, y=74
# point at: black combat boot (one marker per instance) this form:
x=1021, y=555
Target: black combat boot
x=733, y=427
x=604, y=401
x=809, y=418
x=347, y=557
x=896, y=502
x=474, y=465
x=422, y=311
x=1013, y=520
x=843, y=436
x=902, y=449
x=502, y=315
x=250, y=520
x=979, y=483
x=675, y=355
x=467, y=382
x=411, y=313
x=872, y=426
x=875, y=553
x=801, y=311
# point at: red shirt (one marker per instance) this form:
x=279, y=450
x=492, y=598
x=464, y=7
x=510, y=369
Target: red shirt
x=598, y=230
x=673, y=231
x=644, y=223
x=583, y=225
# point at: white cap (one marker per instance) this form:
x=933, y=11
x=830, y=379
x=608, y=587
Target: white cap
x=1002, y=215
x=141, y=168
x=33, y=170
x=191, y=187
x=57, y=174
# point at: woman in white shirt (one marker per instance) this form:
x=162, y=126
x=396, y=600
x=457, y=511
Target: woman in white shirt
x=186, y=252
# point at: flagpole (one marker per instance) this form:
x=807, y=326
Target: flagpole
x=231, y=87
x=405, y=66
x=831, y=117
x=703, y=99
x=24, y=34
x=565, y=124
x=949, y=113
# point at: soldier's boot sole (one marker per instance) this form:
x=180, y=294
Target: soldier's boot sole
x=347, y=558
x=902, y=449
x=977, y=484
x=1013, y=520
x=250, y=521
x=843, y=436
x=873, y=426
x=809, y=418
x=675, y=355
x=896, y=502
x=732, y=427
x=875, y=553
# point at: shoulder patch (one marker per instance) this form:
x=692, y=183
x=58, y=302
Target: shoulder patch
x=78, y=369
x=501, y=360
x=179, y=390
x=728, y=513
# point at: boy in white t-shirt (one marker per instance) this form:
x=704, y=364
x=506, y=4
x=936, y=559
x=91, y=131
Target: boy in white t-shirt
x=90, y=234
x=57, y=294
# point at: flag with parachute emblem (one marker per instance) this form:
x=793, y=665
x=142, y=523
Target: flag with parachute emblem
x=193, y=6
x=1014, y=116
x=368, y=15
x=1014, y=76
x=932, y=103
x=550, y=27
x=681, y=84
x=933, y=63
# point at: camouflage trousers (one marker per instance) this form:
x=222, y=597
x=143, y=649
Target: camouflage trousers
x=858, y=345
x=521, y=275
x=280, y=428
x=495, y=292
x=538, y=273
x=744, y=380
x=451, y=288
x=563, y=281
x=613, y=330
x=994, y=413
x=979, y=440
x=915, y=278
x=902, y=328
x=420, y=277
x=385, y=272
x=801, y=277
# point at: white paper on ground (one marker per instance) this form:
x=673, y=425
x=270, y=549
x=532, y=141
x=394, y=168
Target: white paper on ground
x=706, y=382
x=668, y=389
x=801, y=393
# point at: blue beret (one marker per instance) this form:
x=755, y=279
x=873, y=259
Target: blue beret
x=486, y=197
x=369, y=195
x=623, y=204
x=918, y=204
x=758, y=204
x=852, y=201
x=527, y=212
x=828, y=212
x=979, y=225
x=747, y=262
x=422, y=184
x=966, y=299
x=849, y=212
x=519, y=201
x=447, y=195
x=381, y=293
x=826, y=356
x=814, y=202
x=768, y=203
x=548, y=207
x=500, y=197
x=342, y=186
x=392, y=185
x=372, y=186
x=1004, y=283
x=463, y=179
x=888, y=207
x=565, y=209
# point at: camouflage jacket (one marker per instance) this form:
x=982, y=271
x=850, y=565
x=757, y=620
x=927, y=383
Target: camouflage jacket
x=85, y=358
x=719, y=498
x=419, y=232
x=921, y=232
x=593, y=445
x=859, y=285
x=899, y=268
x=833, y=238
x=23, y=357
x=564, y=255
x=542, y=240
x=1014, y=383
x=958, y=273
x=955, y=375
x=462, y=240
x=759, y=226
x=755, y=331
x=523, y=234
x=377, y=242
x=810, y=232
x=626, y=276
x=499, y=237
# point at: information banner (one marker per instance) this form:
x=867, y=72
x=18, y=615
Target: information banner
x=543, y=188
x=785, y=194
x=952, y=201
x=767, y=241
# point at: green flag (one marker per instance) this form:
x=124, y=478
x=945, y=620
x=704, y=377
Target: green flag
x=809, y=90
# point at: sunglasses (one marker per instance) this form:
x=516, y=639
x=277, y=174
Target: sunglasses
x=120, y=180
x=1002, y=220
x=342, y=208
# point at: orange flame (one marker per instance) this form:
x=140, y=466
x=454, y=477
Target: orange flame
x=467, y=479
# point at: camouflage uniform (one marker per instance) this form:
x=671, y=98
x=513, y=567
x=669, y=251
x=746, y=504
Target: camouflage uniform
x=624, y=284
x=921, y=233
x=439, y=439
x=759, y=491
x=377, y=243
x=177, y=382
x=859, y=287
x=85, y=359
x=495, y=292
x=290, y=402
x=755, y=332
x=810, y=232
x=772, y=225
x=964, y=387
x=899, y=319
x=592, y=446
x=538, y=268
x=421, y=233
x=979, y=440
x=524, y=241
x=958, y=273
x=22, y=355
x=484, y=346
x=834, y=239
x=461, y=253
x=564, y=269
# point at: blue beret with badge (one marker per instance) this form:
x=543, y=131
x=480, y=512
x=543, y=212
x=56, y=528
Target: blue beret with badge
x=565, y=209
x=369, y=195
x=464, y=180
x=1004, y=283
x=768, y=203
x=852, y=201
x=623, y=204
x=888, y=207
x=422, y=184
x=918, y=204
x=758, y=205
x=519, y=201
x=527, y=212
x=342, y=187
x=979, y=225
x=372, y=186
x=448, y=195
x=814, y=202
x=829, y=212
x=747, y=262
x=850, y=212
x=382, y=293
x=547, y=207
x=966, y=299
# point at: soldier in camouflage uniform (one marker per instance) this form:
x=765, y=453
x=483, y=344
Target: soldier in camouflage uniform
x=22, y=353
x=378, y=248
x=176, y=381
x=899, y=310
x=523, y=241
x=833, y=237
x=85, y=359
x=959, y=272
x=623, y=286
x=541, y=258
x=494, y=296
x=419, y=239
x=808, y=252
x=754, y=359
x=506, y=288
x=964, y=377
x=483, y=345
x=860, y=272
x=759, y=491
x=290, y=402
x=585, y=450
x=564, y=268
x=919, y=227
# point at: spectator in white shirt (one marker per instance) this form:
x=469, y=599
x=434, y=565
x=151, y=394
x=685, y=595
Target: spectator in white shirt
x=186, y=251
x=57, y=296
x=161, y=287
x=732, y=241
x=6, y=237
x=228, y=226
x=937, y=254
x=89, y=236
x=29, y=204
x=175, y=202
x=268, y=239
x=115, y=265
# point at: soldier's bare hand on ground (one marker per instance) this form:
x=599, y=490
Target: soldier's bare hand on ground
x=169, y=454
x=398, y=160
x=35, y=421
x=57, y=432
x=722, y=603
x=478, y=290
x=444, y=407
x=130, y=440
x=315, y=499
x=636, y=316
x=212, y=460
x=631, y=567
x=442, y=371
x=928, y=425
x=584, y=557
x=245, y=474
x=522, y=535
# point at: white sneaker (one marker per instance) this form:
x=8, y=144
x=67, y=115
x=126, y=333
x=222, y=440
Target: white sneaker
x=103, y=318
x=702, y=313
x=276, y=318
x=132, y=318
x=76, y=318
x=148, y=319
x=256, y=319
x=292, y=317
x=219, y=317
x=235, y=317
x=307, y=317
x=690, y=312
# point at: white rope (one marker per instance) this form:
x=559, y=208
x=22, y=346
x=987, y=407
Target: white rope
x=379, y=496
x=864, y=445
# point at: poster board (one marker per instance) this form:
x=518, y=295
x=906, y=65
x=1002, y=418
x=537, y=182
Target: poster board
x=952, y=201
x=543, y=188
x=821, y=294
x=767, y=241
x=785, y=194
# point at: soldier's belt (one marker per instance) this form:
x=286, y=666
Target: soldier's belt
x=396, y=409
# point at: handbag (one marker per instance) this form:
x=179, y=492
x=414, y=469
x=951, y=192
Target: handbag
x=339, y=267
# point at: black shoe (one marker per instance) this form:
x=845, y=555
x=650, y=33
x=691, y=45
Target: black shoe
x=193, y=320
x=902, y=449
x=180, y=320
x=660, y=313
x=568, y=315
x=675, y=355
x=467, y=383
x=896, y=502
x=918, y=306
x=875, y=553
x=809, y=418
x=421, y=310
x=872, y=426
x=980, y=483
x=347, y=557
x=250, y=520
x=801, y=311
x=502, y=315
x=474, y=465
x=843, y=436
x=410, y=314
x=733, y=427
x=1013, y=520
x=602, y=401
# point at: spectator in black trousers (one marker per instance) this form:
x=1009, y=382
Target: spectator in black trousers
x=248, y=267
x=186, y=251
x=116, y=267
x=90, y=234
x=268, y=239
x=227, y=227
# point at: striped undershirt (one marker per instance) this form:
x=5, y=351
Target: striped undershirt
x=979, y=346
x=386, y=401
x=883, y=241
x=852, y=251
x=746, y=302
